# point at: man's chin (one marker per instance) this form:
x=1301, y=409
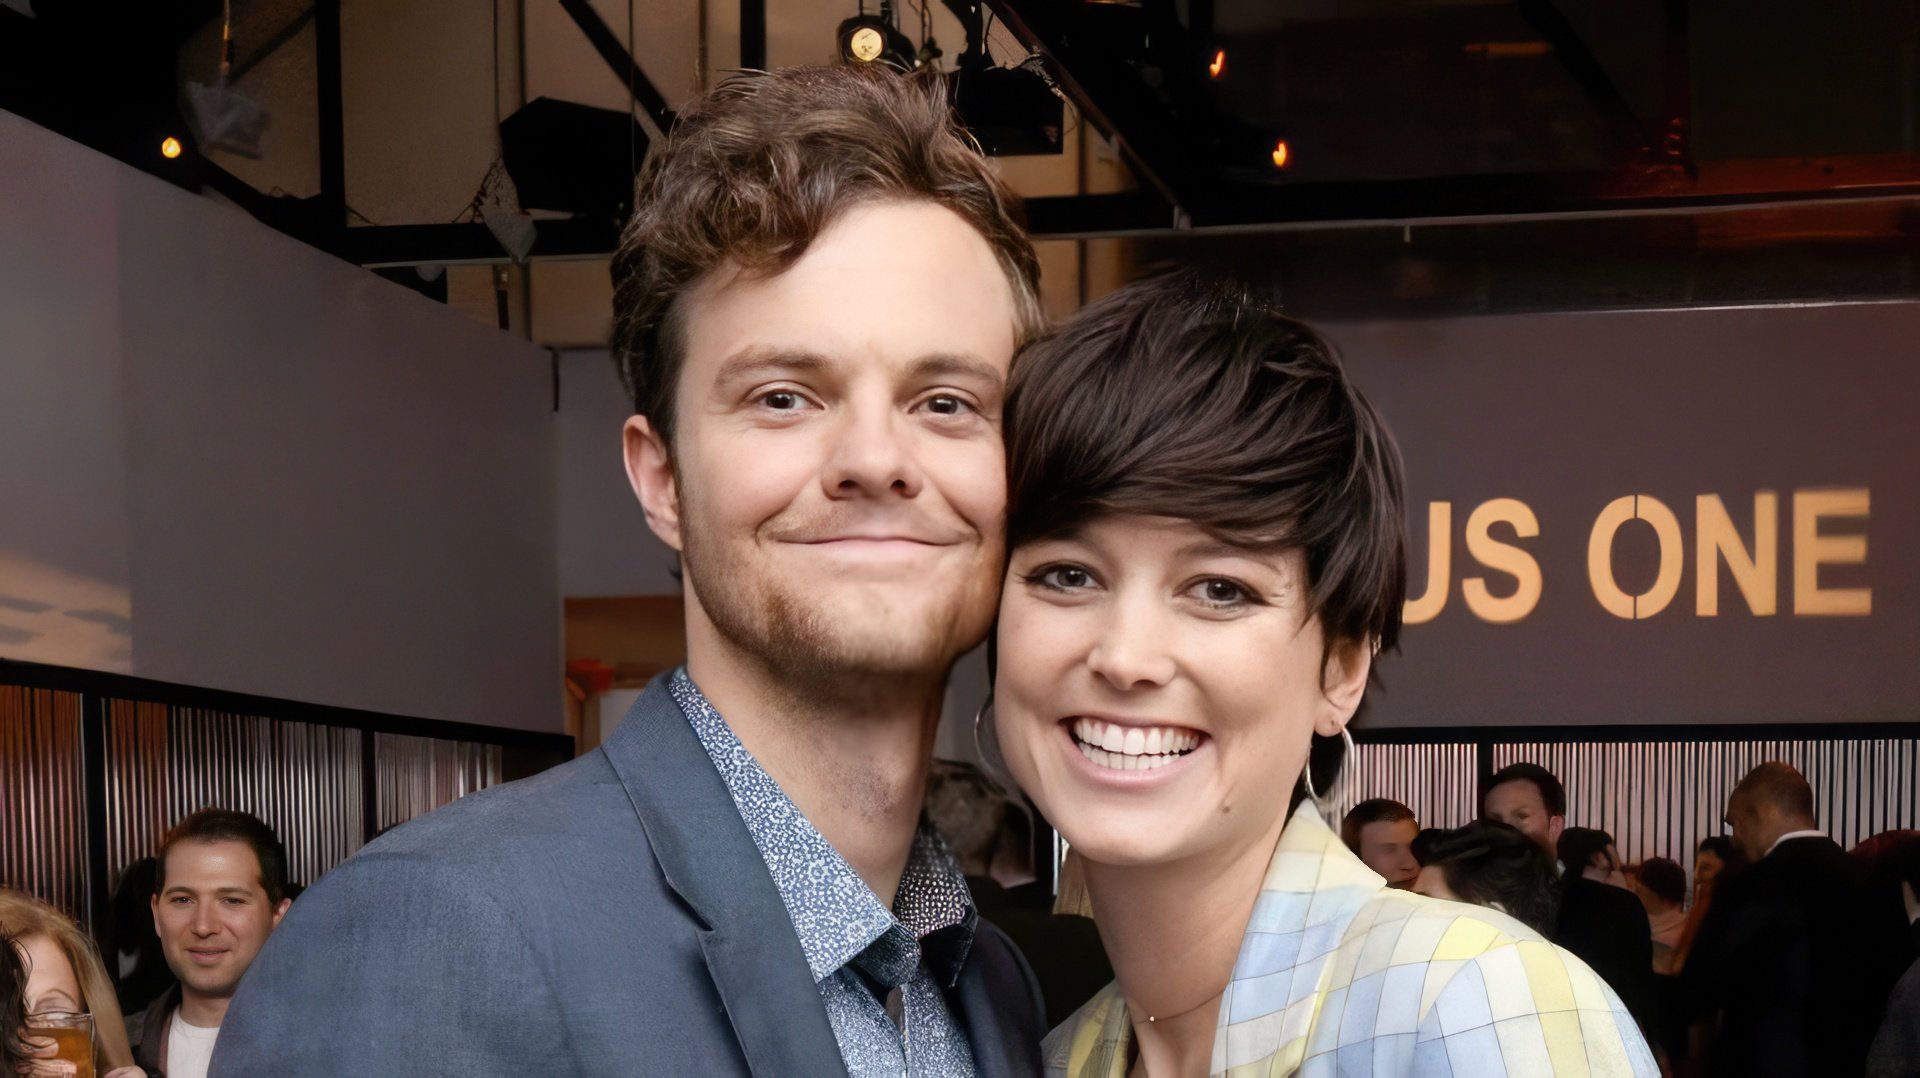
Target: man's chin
x=808, y=626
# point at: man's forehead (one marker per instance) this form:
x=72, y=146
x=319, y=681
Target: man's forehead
x=1518, y=790
x=212, y=855
x=760, y=360
x=904, y=278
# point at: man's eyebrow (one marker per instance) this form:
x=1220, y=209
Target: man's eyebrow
x=937, y=364
x=759, y=359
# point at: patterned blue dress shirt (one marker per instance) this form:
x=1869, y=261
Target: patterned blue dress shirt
x=880, y=972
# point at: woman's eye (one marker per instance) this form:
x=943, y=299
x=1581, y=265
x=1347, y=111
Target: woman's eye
x=1069, y=577
x=947, y=404
x=1219, y=592
x=781, y=400
x=1062, y=578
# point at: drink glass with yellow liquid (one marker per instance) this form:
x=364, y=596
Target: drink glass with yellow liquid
x=62, y=1036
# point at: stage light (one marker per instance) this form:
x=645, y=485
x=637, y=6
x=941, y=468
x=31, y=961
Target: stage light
x=872, y=39
x=1219, y=65
x=170, y=147
x=1282, y=154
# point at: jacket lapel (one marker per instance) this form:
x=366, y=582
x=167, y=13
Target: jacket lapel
x=710, y=860
x=998, y=1052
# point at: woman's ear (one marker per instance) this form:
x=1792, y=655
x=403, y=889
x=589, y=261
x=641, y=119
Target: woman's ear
x=1343, y=682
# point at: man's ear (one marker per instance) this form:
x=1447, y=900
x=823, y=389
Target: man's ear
x=650, y=470
x=280, y=911
x=1343, y=681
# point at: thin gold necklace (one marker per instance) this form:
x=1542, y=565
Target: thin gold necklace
x=1182, y=1014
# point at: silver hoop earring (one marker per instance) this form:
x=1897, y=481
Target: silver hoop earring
x=979, y=749
x=1339, y=777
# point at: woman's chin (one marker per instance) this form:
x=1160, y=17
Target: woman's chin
x=1110, y=842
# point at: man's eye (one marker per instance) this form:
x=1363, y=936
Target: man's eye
x=781, y=401
x=946, y=404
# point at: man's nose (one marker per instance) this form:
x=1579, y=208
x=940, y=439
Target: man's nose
x=871, y=455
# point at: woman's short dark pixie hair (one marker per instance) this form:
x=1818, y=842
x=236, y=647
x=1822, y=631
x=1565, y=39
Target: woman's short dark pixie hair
x=1183, y=396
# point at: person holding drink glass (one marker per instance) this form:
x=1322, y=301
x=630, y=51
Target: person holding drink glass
x=71, y=1023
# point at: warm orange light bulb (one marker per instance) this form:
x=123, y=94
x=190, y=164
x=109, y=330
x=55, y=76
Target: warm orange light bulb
x=1219, y=63
x=170, y=147
x=1281, y=154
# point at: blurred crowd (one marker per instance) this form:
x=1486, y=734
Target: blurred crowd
x=1785, y=954
x=149, y=997
x=1777, y=953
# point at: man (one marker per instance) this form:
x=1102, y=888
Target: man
x=220, y=888
x=1529, y=799
x=816, y=304
x=1799, y=951
x=1591, y=923
x=1601, y=921
x=1380, y=831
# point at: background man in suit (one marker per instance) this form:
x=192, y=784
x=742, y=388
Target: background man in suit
x=1592, y=923
x=1799, y=951
x=1602, y=921
x=816, y=304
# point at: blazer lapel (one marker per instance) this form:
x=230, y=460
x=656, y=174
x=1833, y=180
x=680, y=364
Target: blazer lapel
x=710, y=860
x=998, y=1052
x=997, y=1004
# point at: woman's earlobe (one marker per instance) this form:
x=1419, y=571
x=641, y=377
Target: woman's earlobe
x=1344, y=681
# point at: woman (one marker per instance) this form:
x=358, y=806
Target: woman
x=1488, y=863
x=1716, y=857
x=64, y=974
x=1205, y=555
x=14, y=1052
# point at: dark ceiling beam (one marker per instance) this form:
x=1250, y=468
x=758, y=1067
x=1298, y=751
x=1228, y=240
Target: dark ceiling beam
x=616, y=56
x=1109, y=95
x=1574, y=54
x=1074, y=216
x=753, y=35
x=1430, y=202
x=329, y=84
x=271, y=45
x=418, y=245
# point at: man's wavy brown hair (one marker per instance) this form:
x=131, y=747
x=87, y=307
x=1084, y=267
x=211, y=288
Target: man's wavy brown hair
x=754, y=171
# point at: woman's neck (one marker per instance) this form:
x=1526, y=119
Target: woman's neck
x=1172, y=931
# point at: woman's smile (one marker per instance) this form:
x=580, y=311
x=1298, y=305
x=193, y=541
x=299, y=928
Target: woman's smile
x=1115, y=748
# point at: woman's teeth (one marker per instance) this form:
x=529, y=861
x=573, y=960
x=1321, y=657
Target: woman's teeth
x=1132, y=748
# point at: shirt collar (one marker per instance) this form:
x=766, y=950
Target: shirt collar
x=1793, y=835
x=836, y=915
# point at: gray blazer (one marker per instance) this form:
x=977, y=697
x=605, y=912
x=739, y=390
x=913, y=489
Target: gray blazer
x=611, y=916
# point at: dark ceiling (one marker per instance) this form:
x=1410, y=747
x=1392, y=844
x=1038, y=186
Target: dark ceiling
x=1799, y=113
x=1489, y=107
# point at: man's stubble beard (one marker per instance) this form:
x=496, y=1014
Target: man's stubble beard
x=810, y=647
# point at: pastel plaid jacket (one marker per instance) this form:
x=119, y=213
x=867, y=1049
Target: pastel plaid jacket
x=1340, y=975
